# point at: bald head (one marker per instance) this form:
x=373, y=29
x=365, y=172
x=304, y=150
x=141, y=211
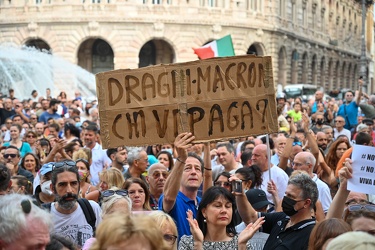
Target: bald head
x=156, y=166
x=304, y=161
x=259, y=157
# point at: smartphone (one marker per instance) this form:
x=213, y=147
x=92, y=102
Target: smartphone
x=237, y=186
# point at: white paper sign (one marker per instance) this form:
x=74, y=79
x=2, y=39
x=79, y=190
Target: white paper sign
x=363, y=180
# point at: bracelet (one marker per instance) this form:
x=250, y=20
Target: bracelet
x=178, y=159
x=208, y=169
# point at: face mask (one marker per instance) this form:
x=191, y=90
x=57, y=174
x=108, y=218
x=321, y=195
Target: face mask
x=169, y=150
x=288, y=206
x=46, y=188
x=320, y=122
x=82, y=175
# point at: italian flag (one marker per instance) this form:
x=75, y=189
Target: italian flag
x=218, y=48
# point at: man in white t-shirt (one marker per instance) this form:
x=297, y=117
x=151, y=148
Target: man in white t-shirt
x=68, y=218
x=306, y=161
x=278, y=175
x=227, y=158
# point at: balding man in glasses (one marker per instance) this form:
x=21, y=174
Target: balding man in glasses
x=157, y=175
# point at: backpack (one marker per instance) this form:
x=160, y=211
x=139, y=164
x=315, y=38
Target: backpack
x=87, y=210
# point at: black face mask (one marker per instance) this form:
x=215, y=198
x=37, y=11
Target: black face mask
x=288, y=206
x=319, y=122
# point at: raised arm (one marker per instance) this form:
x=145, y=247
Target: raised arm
x=284, y=157
x=207, y=179
x=246, y=211
x=338, y=203
x=172, y=185
x=359, y=94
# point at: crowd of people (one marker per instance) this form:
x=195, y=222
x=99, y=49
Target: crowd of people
x=59, y=189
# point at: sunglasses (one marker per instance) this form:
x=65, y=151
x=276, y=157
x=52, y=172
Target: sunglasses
x=170, y=238
x=157, y=175
x=358, y=207
x=298, y=143
x=10, y=155
x=61, y=164
x=108, y=193
x=223, y=183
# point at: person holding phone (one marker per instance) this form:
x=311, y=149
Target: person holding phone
x=349, y=109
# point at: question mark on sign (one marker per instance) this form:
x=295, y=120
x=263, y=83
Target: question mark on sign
x=264, y=110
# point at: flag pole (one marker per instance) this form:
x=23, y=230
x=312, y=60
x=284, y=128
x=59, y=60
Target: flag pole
x=268, y=155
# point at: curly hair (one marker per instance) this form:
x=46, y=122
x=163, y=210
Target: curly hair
x=331, y=158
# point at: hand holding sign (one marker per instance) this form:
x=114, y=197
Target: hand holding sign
x=182, y=143
x=363, y=180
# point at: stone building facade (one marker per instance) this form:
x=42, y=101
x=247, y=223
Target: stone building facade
x=311, y=41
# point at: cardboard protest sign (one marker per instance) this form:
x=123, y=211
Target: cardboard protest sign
x=214, y=99
x=363, y=180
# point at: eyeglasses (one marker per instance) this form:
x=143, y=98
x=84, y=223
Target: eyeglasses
x=108, y=193
x=339, y=121
x=297, y=164
x=158, y=174
x=61, y=164
x=170, y=238
x=10, y=155
x=358, y=207
x=31, y=136
x=223, y=183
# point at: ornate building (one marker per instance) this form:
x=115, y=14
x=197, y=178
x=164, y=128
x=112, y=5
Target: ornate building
x=311, y=41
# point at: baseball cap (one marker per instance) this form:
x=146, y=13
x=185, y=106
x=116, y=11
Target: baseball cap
x=368, y=121
x=257, y=198
x=46, y=168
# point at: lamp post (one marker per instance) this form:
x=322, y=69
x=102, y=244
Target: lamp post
x=363, y=61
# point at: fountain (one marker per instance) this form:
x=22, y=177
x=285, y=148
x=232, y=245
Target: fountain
x=25, y=69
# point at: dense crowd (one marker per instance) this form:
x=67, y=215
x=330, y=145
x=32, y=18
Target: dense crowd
x=59, y=189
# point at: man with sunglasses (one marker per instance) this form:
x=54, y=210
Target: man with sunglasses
x=68, y=215
x=156, y=177
x=340, y=129
x=12, y=158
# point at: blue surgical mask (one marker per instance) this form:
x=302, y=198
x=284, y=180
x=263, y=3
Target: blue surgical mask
x=169, y=150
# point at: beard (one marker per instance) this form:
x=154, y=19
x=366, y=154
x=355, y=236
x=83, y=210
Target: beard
x=67, y=204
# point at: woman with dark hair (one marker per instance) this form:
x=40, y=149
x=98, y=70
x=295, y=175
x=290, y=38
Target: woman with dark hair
x=71, y=132
x=21, y=185
x=251, y=177
x=15, y=135
x=31, y=163
x=31, y=138
x=165, y=158
x=214, y=227
x=222, y=180
x=138, y=193
x=43, y=149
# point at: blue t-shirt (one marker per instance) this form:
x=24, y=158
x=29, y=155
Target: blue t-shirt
x=350, y=113
x=45, y=116
x=178, y=212
x=25, y=148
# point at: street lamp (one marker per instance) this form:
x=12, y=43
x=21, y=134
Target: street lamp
x=363, y=60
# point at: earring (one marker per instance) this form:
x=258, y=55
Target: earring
x=205, y=221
